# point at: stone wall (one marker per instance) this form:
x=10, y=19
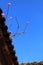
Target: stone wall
x=32, y=63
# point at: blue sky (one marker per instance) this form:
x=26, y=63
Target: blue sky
x=29, y=47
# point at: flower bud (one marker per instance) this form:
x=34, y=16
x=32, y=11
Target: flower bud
x=9, y=4
x=10, y=32
x=2, y=14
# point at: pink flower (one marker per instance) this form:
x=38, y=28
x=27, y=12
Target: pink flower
x=2, y=14
x=10, y=32
x=9, y=4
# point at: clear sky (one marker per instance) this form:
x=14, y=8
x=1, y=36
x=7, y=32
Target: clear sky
x=29, y=47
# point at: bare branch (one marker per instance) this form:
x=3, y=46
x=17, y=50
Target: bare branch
x=8, y=10
x=10, y=18
x=13, y=2
x=23, y=32
x=18, y=26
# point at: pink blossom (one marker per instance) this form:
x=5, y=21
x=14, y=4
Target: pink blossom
x=10, y=32
x=9, y=4
x=2, y=14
